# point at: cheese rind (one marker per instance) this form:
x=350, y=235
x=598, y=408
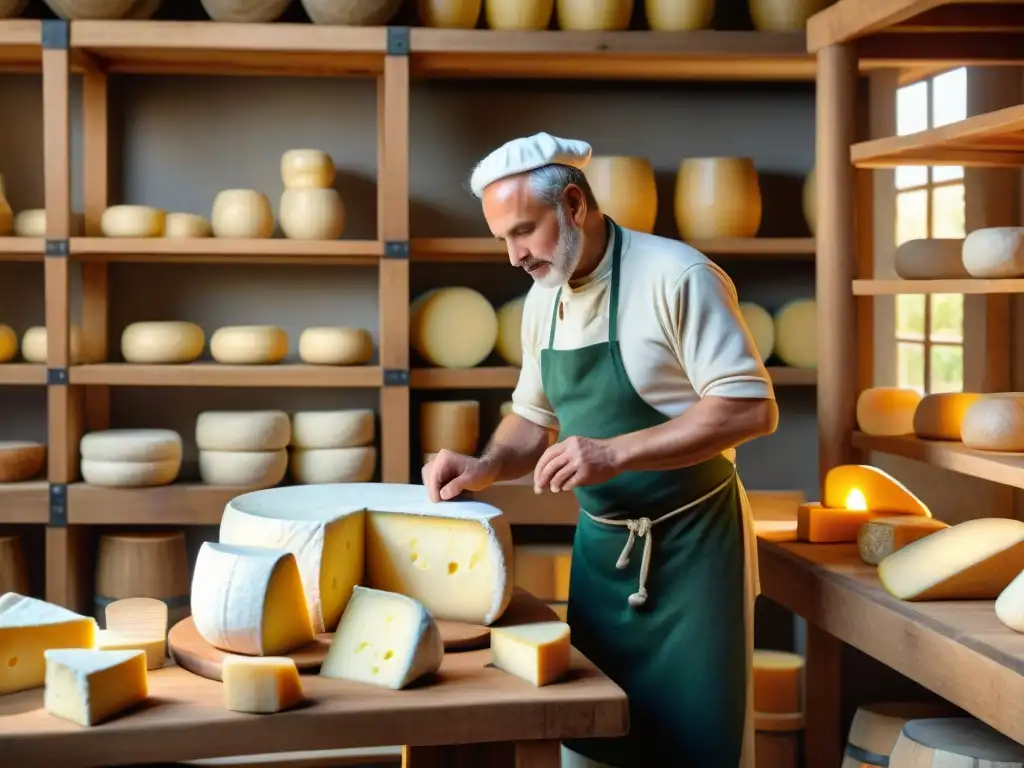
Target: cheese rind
x=509, y=344
x=879, y=538
x=995, y=423
x=347, y=428
x=940, y=416
x=778, y=682
x=384, y=639
x=186, y=226
x=1010, y=604
x=131, y=445
x=249, y=345
x=994, y=252
x=243, y=468
x=20, y=461
x=162, y=343
x=796, y=336
x=89, y=687
x=261, y=685
x=317, y=466
x=130, y=474
x=822, y=525
x=930, y=259
x=335, y=346
x=243, y=430
x=133, y=221
x=538, y=653
x=887, y=410
x=453, y=327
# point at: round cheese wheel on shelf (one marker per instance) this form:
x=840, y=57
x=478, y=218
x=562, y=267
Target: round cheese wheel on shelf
x=449, y=14
x=810, y=202
x=887, y=410
x=242, y=213
x=1010, y=604
x=506, y=408
x=249, y=345
x=679, y=15
x=307, y=169
x=778, y=682
x=940, y=416
x=311, y=214
x=876, y=727
x=162, y=342
x=133, y=221
x=360, y=13
x=8, y=343
x=20, y=460
x=32, y=223
x=930, y=259
x=509, y=345
x=796, y=333
x=784, y=15
x=717, y=197
x=761, y=326
x=317, y=466
x=625, y=190
x=995, y=422
x=453, y=327
x=130, y=474
x=240, y=431
x=348, y=428
x=243, y=468
x=954, y=741
x=245, y=11
x=450, y=424
x=607, y=15
x=519, y=14
x=335, y=346
x=185, y=226
x=90, y=9
x=131, y=445
x=33, y=345
x=994, y=252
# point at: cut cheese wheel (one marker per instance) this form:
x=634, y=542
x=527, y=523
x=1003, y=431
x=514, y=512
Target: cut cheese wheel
x=823, y=525
x=155, y=648
x=452, y=425
x=133, y=221
x=940, y=416
x=887, y=410
x=130, y=474
x=761, y=326
x=131, y=445
x=335, y=346
x=162, y=343
x=876, y=727
x=1010, y=604
x=261, y=685
x=860, y=486
x=796, y=334
x=242, y=213
x=778, y=682
x=243, y=468
x=879, y=538
x=243, y=430
x=8, y=343
x=313, y=466
x=954, y=742
x=34, y=346
x=539, y=653
x=994, y=252
x=543, y=571
x=506, y=408
x=184, y=226
x=974, y=560
x=307, y=169
x=250, y=600
x=249, y=345
x=995, y=423
x=29, y=627
x=333, y=429
x=89, y=687
x=509, y=345
x=930, y=259
x=384, y=639
x=453, y=327
x=20, y=461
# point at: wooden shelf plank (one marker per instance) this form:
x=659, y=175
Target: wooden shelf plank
x=227, y=251
x=178, y=504
x=962, y=285
x=1004, y=468
x=993, y=139
x=25, y=502
x=21, y=45
x=205, y=374
x=21, y=374
x=957, y=649
x=506, y=377
x=22, y=248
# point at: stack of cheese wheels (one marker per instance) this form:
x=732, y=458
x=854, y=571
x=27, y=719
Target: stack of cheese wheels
x=310, y=208
x=876, y=727
x=449, y=14
x=940, y=416
x=761, y=326
x=509, y=345
x=340, y=345
x=887, y=410
x=333, y=446
x=244, y=448
x=20, y=460
x=994, y=252
x=543, y=571
x=162, y=342
x=453, y=327
x=625, y=190
x=242, y=213
x=995, y=422
x=8, y=344
x=778, y=707
x=34, y=346
x=954, y=741
x=519, y=14
x=796, y=333
x=452, y=425
x=131, y=458
x=133, y=221
x=931, y=259
x=249, y=345
x=717, y=197
x=593, y=15
x=183, y=226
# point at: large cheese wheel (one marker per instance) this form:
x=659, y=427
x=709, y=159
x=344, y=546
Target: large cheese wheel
x=333, y=429
x=449, y=14
x=450, y=424
x=784, y=15
x=243, y=468
x=887, y=410
x=952, y=742
x=930, y=259
x=519, y=14
x=679, y=15
x=133, y=221
x=594, y=14
x=131, y=445
x=509, y=345
x=130, y=474
x=761, y=326
x=810, y=202
x=20, y=461
x=243, y=431
x=90, y=9
x=316, y=466
x=33, y=345
x=242, y=213
x=995, y=423
x=625, y=190
x=186, y=225
x=307, y=168
x=876, y=727
x=994, y=252
x=453, y=327
x=717, y=197
x=778, y=682
x=162, y=343
x=940, y=416
x=8, y=343
x=335, y=346
x=249, y=345
x=796, y=333
x=311, y=214
x=1010, y=604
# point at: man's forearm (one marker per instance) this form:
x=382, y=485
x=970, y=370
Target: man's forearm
x=516, y=446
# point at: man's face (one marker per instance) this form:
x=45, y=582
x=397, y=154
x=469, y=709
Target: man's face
x=544, y=241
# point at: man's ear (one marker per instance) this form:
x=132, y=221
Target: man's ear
x=577, y=202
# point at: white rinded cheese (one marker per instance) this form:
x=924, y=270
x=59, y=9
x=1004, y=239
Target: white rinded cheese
x=453, y=327
x=335, y=346
x=243, y=468
x=538, y=653
x=994, y=252
x=509, y=345
x=954, y=742
x=180, y=226
x=261, y=685
x=384, y=639
x=315, y=466
x=131, y=445
x=242, y=213
x=8, y=343
x=130, y=474
x=930, y=259
x=307, y=169
x=761, y=326
x=28, y=627
x=155, y=648
x=1010, y=604
x=887, y=410
x=162, y=343
x=33, y=345
x=249, y=600
x=89, y=687
x=20, y=461
x=243, y=430
x=450, y=424
x=348, y=428
x=133, y=221
x=995, y=423
x=796, y=334
x=940, y=416
x=249, y=345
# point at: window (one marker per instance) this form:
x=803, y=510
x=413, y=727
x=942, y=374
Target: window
x=930, y=204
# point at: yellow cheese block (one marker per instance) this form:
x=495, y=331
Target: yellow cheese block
x=543, y=571
x=89, y=687
x=778, y=682
x=538, y=653
x=859, y=486
x=940, y=416
x=261, y=685
x=975, y=560
x=881, y=537
x=822, y=525
x=155, y=648
x=887, y=410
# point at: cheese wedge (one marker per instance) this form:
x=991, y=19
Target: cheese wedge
x=250, y=600
x=261, y=685
x=384, y=639
x=882, y=536
x=953, y=742
x=155, y=648
x=1010, y=604
x=820, y=525
x=974, y=560
x=28, y=628
x=538, y=653
x=778, y=682
x=88, y=687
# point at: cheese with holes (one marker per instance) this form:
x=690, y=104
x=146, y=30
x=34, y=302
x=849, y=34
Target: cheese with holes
x=317, y=466
x=335, y=346
x=131, y=445
x=155, y=648
x=243, y=468
x=348, y=428
x=249, y=345
x=994, y=252
x=450, y=424
x=8, y=344
x=89, y=687
x=538, y=653
x=887, y=410
x=941, y=416
x=20, y=461
x=778, y=682
x=796, y=334
x=871, y=488
x=761, y=326
x=34, y=345
x=28, y=627
x=543, y=570
x=825, y=525
x=185, y=226
x=260, y=685
x=930, y=259
x=952, y=742
x=162, y=343
x=384, y=639
x=509, y=345
x=1010, y=604
x=879, y=538
x=453, y=327
x=133, y=221
x=250, y=600
x=130, y=474
x=995, y=423
x=243, y=431
x=975, y=560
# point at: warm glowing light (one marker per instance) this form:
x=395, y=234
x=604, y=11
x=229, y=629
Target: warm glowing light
x=855, y=500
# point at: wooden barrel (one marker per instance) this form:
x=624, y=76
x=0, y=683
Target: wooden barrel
x=954, y=741
x=876, y=727
x=13, y=570
x=152, y=564
x=778, y=708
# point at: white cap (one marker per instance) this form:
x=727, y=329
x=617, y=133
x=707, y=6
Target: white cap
x=528, y=154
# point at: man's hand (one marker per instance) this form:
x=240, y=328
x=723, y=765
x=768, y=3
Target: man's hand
x=574, y=462
x=448, y=474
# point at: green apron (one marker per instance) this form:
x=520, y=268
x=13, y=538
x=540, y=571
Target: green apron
x=666, y=625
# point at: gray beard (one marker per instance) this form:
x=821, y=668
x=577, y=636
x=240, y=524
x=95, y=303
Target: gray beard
x=567, y=253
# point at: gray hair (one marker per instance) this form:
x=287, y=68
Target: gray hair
x=549, y=183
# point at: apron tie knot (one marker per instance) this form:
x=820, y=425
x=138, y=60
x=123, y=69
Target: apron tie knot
x=640, y=528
